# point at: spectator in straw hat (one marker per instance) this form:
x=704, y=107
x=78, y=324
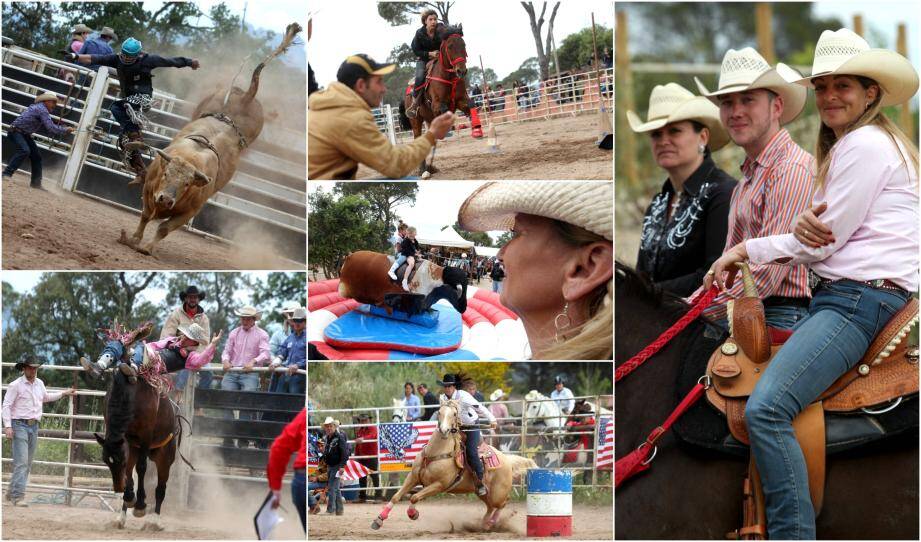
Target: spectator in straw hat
x=293, y=355
x=336, y=454
x=35, y=119
x=247, y=346
x=863, y=257
x=342, y=133
x=100, y=45
x=80, y=34
x=755, y=101
x=187, y=313
x=278, y=339
x=22, y=412
x=559, y=264
x=684, y=228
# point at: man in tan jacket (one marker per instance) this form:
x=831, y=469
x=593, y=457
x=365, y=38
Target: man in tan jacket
x=341, y=131
x=190, y=312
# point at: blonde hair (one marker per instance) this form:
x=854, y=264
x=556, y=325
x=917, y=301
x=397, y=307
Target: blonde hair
x=873, y=116
x=593, y=339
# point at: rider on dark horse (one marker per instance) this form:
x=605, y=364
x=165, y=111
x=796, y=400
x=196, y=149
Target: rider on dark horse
x=469, y=413
x=425, y=46
x=129, y=352
x=134, y=69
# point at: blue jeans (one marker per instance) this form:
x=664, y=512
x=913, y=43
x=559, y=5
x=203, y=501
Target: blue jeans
x=311, y=487
x=844, y=317
x=420, y=75
x=205, y=378
x=777, y=316
x=333, y=495
x=295, y=384
x=26, y=149
x=122, y=117
x=299, y=496
x=497, y=286
x=473, y=458
x=25, y=442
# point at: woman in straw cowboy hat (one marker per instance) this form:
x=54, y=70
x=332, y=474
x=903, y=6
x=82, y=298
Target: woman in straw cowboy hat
x=685, y=225
x=863, y=257
x=559, y=263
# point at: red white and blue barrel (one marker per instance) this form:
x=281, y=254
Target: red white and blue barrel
x=549, y=502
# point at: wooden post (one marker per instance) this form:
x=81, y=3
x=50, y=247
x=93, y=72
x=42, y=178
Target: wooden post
x=905, y=118
x=763, y=16
x=858, y=24
x=624, y=79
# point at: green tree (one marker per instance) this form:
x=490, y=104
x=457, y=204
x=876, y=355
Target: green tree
x=576, y=52
x=280, y=288
x=503, y=239
x=382, y=197
x=475, y=76
x=402, y=13
x=527, y=73
x=339, y=226
x=220, y=297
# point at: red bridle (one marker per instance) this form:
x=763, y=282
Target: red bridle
x=446, y=61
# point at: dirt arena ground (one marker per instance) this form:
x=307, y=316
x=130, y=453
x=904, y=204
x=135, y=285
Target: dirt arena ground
x=558, y=148
x=58, y=522
x=55, y=229
x=589, y=523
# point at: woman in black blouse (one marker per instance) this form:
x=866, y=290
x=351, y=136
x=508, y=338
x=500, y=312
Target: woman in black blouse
x=685, y=225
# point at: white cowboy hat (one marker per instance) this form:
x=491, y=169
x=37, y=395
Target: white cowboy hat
x=248, y=310
x=494, y=205
x=47, y=97
x=194, y=332
x=846, y=53
x=299, y=313
x=494, y=396
x=330, y=421
x=672, y=103
x=747, y=70
x=290, y=307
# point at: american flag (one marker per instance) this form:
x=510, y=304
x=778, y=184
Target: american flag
x=606, y=444
x=353, y=470
x=313, y=451
x=398, y=443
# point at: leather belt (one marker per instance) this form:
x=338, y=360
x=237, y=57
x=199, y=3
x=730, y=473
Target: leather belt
x=880, y=284
x=777, y=300
x=29, y=421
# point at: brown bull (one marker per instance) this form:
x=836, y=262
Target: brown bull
x=363, y=277
x=202, y=158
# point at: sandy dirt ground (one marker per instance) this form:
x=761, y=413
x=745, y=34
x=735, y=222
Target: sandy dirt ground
x=56, y=229
x=435, y=522
x=558, y=148
x=58, y=522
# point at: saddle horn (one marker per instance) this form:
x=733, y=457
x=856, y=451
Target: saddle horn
x=748, y=281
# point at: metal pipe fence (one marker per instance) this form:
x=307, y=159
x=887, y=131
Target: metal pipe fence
x=510, y=431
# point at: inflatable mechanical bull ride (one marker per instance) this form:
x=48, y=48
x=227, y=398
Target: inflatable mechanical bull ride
x=202, y=158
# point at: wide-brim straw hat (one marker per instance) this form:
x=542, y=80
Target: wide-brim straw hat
x=845, y=53
x=107, y=31
x=494, y=396
x=290, y=307
x=493, y=206
x=47, y=97
x=330, y=421
x=194, y=332
x=673, y=103
x=248, y=311
x=81, y=28
x=747, y=70
x=299, y=313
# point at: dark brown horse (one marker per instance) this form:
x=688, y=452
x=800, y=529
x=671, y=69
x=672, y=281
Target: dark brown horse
x=445, y=88
x=140, y=424
x=695, y=492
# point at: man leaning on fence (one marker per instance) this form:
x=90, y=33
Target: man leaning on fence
x=293, y=355
x=247, y=347
x=342, y=134
x=22, y=412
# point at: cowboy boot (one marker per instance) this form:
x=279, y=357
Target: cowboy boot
x=128, y=369
x=133, y=146
x=481, y=489
x=94, y=369
x=413, y=108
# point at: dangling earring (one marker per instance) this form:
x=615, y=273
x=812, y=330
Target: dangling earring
x=701, y=149
x=562, y=322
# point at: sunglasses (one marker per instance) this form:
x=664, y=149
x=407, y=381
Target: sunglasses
x=299, y=320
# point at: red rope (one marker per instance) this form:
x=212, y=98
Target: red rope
x=638, y=460
x=700, y=304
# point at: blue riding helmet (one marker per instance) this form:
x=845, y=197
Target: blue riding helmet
x=131, y=48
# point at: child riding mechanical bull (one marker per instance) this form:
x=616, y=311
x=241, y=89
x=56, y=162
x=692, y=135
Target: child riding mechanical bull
x=134, y=68
x=129, y=353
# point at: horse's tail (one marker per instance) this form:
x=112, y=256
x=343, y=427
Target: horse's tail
x=520, y=465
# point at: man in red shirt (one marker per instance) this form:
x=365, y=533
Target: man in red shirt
x=366, y=444
x=292, y=439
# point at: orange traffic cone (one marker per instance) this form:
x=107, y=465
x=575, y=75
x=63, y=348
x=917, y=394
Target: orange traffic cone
x=476, y=129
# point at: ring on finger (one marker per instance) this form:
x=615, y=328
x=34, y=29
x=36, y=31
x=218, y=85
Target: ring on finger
x=711, y=272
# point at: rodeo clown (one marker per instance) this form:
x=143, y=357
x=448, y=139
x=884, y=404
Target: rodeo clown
x=470, y=413
x=134, y=69
x=176, y=353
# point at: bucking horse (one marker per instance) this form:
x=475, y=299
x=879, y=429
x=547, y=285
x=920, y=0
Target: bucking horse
x=202, y=158
x=445, y=87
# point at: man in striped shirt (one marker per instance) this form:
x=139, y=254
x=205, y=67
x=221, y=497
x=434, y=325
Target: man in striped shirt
x=777, y=176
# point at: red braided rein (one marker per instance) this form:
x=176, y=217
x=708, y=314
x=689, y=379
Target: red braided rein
x=699, y=304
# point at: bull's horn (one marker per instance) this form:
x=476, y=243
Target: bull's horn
x=748, y=282
x=163, y=155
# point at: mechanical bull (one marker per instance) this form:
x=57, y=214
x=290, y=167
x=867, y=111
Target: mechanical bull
x=202, y=158
x=363, y=277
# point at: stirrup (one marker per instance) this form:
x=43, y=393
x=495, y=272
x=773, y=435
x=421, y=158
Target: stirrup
x=482, y=490
x=90, y=367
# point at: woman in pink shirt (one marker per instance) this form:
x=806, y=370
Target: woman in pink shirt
x=863, y=258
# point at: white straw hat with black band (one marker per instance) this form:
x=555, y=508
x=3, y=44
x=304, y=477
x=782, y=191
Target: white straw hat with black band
x=673, y=103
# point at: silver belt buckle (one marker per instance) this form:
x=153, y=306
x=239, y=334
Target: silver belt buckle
x=814, y=280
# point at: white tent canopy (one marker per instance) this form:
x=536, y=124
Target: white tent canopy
x=441, y=238
x=489, y=252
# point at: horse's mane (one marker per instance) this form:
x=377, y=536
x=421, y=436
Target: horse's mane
x=119, y=408
x=638, y=283
x=446, y=31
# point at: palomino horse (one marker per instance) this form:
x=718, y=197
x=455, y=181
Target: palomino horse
x=363, y=277
x=691, y=492
x=436, y=470
x=140, y=424
x=445, y=87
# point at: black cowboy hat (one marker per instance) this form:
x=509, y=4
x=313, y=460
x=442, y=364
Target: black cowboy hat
x=30, y=361
x=364, y=416
x=449, y=380
x=194, y=291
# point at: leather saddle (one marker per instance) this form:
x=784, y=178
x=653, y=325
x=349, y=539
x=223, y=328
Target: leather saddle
x=402, y=269
x=487, y=456
x=887, y=372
